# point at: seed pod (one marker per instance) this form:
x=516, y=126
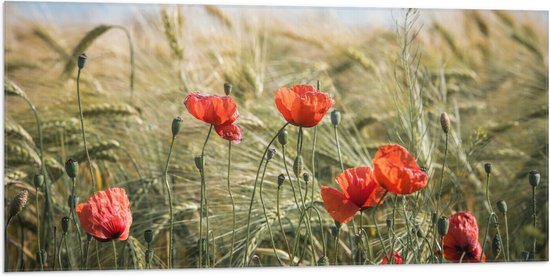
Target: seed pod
x=270, y=154
x=335, y=117
x=419, y=232
x=82, y=60
x=434, y=217
x=71, y=202
x=148, y=235
x=256, y=261
x=445, y=122
x=227, y=88
x=71, y=167
x=283, y=137
x=280, y=180
x=65, y=225
x=198, y=162
x=18, y=204
x=488, y=168
x=306, y=177
x=38, y=180
x=323, y=261
x=176, y=126
x=534, y=178
x=298, y=165
x=443, y=226
x=496, y=246
x=502, y=207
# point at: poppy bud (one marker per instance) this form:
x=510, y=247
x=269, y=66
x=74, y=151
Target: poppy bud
x=434, y=217
x=42, y=254
x=38, y=180
x=18, y=204
x=283, y=137
x=298, y=165
x=502, y=207
x=280, y=180
x=148, y=235
x=443, y=226
x=176, y=126
x=525, y=255
x=65, y=224
x=445, y=122
x=323, y=261
x=198, y=162
x=419, y=232
x=270, y=153
x=71, y=202
x=71, y=167
x=534, y=178
x=82, y=60
x=335, y=117
x=496, y=246
x=227, y=87
x=256, y=260
x=488, y=168
x=389, y=222
x=306, y=177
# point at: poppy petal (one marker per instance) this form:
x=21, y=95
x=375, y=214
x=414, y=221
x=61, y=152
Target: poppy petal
x=229, y=132
x=337, y=205
x=213, y=110
x=396, y=170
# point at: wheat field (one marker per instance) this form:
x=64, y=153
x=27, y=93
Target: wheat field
x=487, y=70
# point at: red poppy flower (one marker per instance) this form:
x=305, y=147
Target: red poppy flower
x=396, y=170
x=106, y=215
x=214, y=110
x=462, y=239
x=303, y=105
x=230, y=132
x=397, y=259
x=359, y=190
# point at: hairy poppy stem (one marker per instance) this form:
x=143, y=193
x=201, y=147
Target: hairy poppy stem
x=507, y=237
x=265, y=214
x=442, y=172
x=393, y=229
x=88, y=160
x=462, y=256
x=337, y=141
x=280, y=221
x=170, y=207
x=486, y=234
x=203, y=200
x=232, y=203
x=59, y=251
x=39, y=246
x=336, y=245
x=114, y=252
x=534, y=223
x=54, y=247
x=245, y=257
x=290, y=179
x=376, y=223
x=493, y=215
x=86, y=254
x=76, y=224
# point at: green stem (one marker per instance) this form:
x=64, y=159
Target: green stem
x=114, y=252
x=376, y=223
x=59, y=251
x=97, y=254
x=232, y=203
x=336, y=245
x=245, y=258
x=203, y=200
x=281, y=223
x=442, y=172
x=507, y=237
x=338, y=147
x=534, y=223
x=393, y=229
x=86, y=254
x=170, y=207
x=462, y=256
x=39, y=246
x=290, y=180
x=265, y=214
x=88, y=160
x=486, y=234
x=76, y=224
